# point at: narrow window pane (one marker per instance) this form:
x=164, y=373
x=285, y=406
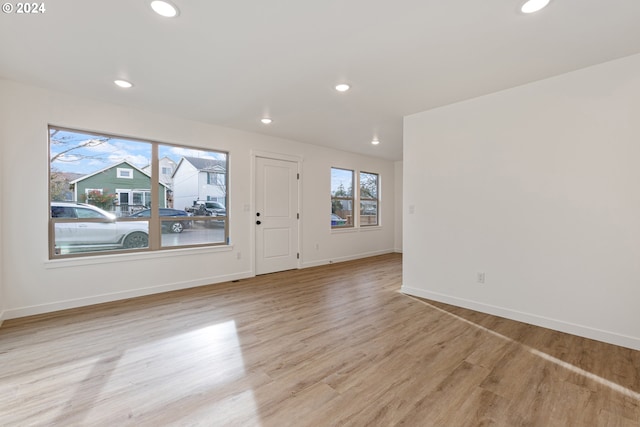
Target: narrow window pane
x=341, y=198
x=369, y=189
x=198, y=214
x=341, y=183
x=368, y=186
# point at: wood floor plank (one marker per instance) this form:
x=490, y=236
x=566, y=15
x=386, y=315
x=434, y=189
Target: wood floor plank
x=336, y=345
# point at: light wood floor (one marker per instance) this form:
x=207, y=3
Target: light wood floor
x=334, y=345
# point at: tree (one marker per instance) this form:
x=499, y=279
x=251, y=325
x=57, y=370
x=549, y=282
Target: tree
x=96, y=198
x=72, y=143
x=336, y=205
x=368, y=186
x=58, y=186
x=71, y=151
x=338, y=197
x=368, y=193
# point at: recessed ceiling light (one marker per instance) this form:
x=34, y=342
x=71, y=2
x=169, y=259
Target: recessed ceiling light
x=375, y=141
x=532, y=6
x=266, y=121
x=164, y=8
x=343, y=87
x=123, y=83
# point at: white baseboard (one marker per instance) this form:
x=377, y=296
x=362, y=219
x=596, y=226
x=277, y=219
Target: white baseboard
x=115, y=296
x=2, y=317
x=346, y=258
x=533, y=319
x=398, y=251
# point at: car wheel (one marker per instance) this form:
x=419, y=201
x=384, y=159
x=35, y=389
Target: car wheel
x=177, y=227
x=136, y=239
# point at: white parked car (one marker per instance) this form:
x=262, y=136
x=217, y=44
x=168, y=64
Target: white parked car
x=93, y=229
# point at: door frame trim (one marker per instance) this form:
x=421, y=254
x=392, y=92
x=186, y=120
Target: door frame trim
x=298, y=160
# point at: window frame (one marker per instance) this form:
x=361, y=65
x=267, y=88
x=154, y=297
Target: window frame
x=341, y=199
x=119, y=173
x=356, y=199
x=376, y=200
x=155, y=244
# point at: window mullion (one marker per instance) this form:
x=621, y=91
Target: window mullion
x=154, y=221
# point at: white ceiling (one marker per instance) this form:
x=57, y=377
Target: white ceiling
x=230, y=63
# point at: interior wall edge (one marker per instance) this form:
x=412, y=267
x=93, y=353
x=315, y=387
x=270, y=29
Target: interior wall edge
x=533, y=319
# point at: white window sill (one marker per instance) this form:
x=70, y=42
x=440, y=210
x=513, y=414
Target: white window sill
x=356, y=229
x=136, y=256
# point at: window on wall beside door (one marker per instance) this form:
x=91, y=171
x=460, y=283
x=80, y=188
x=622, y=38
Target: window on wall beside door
x=341, y=198
x=104, y=197
x=368, y=199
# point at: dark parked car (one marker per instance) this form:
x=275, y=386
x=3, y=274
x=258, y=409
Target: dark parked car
x=169, y=226
x=89, y=228
x=207, y=208
x=336, y=221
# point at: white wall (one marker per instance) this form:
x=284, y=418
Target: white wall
x=2, y=191
x=337, y=245
x=537, y=187
x=33, y=284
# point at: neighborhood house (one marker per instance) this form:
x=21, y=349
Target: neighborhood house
x=121, y=188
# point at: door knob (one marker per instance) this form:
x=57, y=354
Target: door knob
x=257, y=213
x=258, y=222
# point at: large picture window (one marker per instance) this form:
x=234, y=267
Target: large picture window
x=105, y=195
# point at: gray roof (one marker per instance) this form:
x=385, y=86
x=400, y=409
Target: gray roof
x=206, y=165
x=83, y=177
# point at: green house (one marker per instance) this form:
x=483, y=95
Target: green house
x=122, y=188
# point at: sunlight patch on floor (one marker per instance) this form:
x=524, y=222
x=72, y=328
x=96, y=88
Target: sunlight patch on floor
x=616, y=387
x=198, y=369
x=612, y=385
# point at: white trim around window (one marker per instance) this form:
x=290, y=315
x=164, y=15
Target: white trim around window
x=126, y=173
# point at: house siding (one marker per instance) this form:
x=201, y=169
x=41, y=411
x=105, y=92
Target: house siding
x=108, y=181
x=185, y=185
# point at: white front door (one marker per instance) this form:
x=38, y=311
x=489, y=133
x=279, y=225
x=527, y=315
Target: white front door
x=276, y=215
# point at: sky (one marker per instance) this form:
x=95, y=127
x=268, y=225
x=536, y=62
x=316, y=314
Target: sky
x=87, y=153
x=341, y=176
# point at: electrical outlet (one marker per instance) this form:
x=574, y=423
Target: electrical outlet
x=317, y=246
x=238, y=255
x=480, y=277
